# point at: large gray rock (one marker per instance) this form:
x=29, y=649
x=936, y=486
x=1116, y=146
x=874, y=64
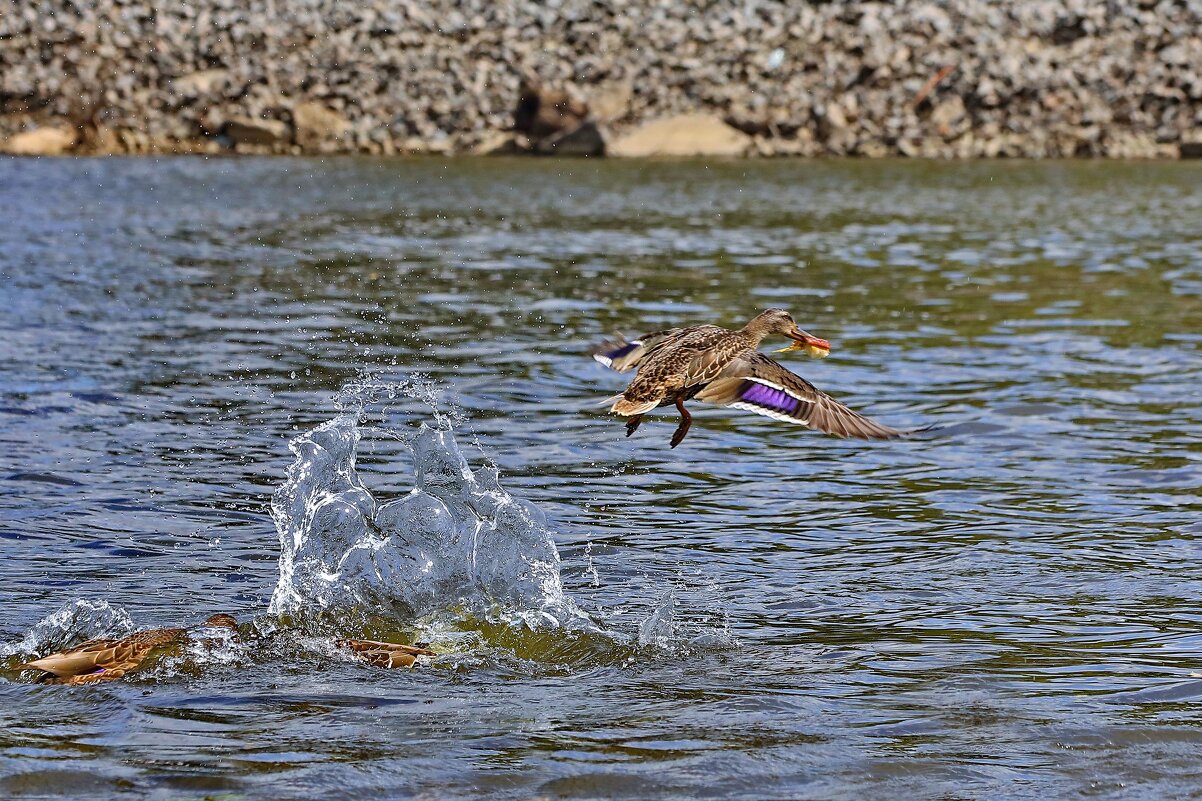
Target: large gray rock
x=683, y=135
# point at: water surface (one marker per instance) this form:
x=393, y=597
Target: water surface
x=1006, y=609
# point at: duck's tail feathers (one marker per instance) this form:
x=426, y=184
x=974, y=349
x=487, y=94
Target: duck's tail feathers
x=628, y=408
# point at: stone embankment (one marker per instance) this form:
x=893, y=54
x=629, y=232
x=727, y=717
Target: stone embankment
x=958, y=78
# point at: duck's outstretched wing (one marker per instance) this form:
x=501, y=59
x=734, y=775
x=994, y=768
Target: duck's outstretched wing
x=758, y=384
x=622, y=355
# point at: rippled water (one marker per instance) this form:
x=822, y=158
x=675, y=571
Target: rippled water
x=1006, y=609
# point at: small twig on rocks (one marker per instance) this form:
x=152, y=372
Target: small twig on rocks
x=930, y=85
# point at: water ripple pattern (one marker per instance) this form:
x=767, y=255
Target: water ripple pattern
x=1008, y=609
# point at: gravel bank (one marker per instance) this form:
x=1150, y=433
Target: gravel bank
x=963, y=78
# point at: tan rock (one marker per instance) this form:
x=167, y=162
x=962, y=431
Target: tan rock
x=801, y=147
x=609, y=102
x=498, y=143
x=683, y=135
x=835, y=117
x=873, y=149
x=200, y=82
x=212, y=121
x=254, y=131
x=48, y=141
x=104, y=141
x=132, y=141
x=315, y=125
x=949, y=116
x=412, y=146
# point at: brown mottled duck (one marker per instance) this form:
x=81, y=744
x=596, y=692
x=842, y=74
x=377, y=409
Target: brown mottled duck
x=109, y=659
x=723, y=367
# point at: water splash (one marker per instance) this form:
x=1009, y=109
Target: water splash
x=75, y=622
x=455, y=558
x=456, y=543
x=658, y=629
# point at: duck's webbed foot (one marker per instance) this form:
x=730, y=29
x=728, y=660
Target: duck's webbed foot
x=686, y=420
x=633, y=423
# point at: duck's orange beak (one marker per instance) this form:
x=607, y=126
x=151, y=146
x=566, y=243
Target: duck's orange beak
x=814, y=347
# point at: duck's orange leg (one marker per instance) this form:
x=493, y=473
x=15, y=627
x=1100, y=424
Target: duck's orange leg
x=686, y=420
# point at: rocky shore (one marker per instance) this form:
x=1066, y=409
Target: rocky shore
x=960, y=78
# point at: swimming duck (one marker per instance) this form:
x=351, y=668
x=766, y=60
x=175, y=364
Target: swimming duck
x=385, y=654
x=108, y=659
x=720, y=366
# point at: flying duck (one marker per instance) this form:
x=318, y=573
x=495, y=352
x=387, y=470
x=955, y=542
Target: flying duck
x=723, y=367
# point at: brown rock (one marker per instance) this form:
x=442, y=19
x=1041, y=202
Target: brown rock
x=1191, y=150
x=873, y=150
x=252, y=131
x=584, y=140
x=683, y=135
x=48, y=141
x=316, y=125
x=542, y=113
x=103, y=141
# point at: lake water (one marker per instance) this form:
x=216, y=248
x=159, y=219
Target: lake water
x=1010, y=607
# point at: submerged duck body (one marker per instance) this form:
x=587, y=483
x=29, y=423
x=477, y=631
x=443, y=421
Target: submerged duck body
x=109, y=659
x=385, y=654
x=723, y=367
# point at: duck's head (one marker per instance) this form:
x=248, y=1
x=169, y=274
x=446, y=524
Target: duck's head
x=779, y=321
x=222, y=621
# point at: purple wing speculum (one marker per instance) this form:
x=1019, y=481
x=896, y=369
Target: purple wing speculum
x=773, y=399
